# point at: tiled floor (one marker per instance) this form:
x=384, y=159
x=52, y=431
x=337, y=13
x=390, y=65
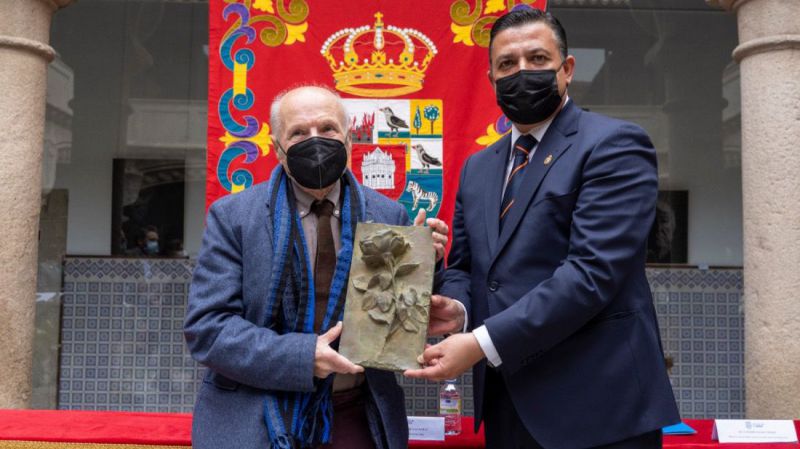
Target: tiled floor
x=122, y=345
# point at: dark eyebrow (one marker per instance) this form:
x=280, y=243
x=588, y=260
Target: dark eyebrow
x=503, y=58
x=528, y=51
x=538, y=50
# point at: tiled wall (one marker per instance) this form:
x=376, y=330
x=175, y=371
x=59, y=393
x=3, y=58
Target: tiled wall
x=702, y=328
x=122, y=345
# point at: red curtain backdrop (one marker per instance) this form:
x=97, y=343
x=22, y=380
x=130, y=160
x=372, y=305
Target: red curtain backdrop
x=413, y=75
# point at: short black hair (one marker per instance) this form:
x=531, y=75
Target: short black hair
x=523, y=16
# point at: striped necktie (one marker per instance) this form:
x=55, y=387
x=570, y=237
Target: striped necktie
x=522, y=148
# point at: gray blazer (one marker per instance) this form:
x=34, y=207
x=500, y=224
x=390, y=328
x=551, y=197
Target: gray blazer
x=226, y=329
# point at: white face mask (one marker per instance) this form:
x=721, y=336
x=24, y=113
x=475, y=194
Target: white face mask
x=151, y=247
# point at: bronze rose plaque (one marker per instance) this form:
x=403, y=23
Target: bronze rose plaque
x=388, y=296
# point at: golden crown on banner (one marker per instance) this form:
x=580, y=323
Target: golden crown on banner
x=378, y=61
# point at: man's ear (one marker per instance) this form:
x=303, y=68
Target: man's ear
x=348, y=146
x=569, y=68
x=278, y=153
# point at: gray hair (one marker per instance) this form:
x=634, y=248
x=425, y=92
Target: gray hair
x=275, y=122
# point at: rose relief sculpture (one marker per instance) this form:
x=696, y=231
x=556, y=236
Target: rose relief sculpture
x=386, y=314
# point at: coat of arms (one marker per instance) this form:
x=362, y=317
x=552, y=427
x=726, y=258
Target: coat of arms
x=401, y=153
x=397, y=144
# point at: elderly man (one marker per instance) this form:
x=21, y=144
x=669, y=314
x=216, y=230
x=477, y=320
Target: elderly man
x=269, y=290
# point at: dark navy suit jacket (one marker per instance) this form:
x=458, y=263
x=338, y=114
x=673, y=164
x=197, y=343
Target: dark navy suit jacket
x=227, y=330
x=562, y=289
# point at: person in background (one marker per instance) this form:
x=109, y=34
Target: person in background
x=147, y=243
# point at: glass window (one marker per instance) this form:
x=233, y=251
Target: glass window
x=130, y=84
x=123, y=205
x=666, y=65
x=147, y=208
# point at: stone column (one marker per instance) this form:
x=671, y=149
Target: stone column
x=24, y=55
x=769, y=58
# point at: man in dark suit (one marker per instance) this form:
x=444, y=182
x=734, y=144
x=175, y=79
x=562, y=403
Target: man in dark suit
x=547, y=264
x=268, y=293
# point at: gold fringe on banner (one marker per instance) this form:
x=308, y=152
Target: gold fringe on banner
x=8, y=444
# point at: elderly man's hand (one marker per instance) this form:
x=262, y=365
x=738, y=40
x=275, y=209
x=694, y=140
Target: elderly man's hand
x=439, y=229
x=328, y=361
x=446, y=317
x=448, y=359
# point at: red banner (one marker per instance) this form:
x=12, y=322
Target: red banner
x=413, y=76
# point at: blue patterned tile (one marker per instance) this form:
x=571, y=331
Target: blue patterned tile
x=715, y=301
x=700, y=314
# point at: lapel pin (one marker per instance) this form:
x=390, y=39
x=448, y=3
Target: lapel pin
x=548, y=159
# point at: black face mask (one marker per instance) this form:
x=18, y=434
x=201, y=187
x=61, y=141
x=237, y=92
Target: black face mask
x=528, y=96
x=316, y=163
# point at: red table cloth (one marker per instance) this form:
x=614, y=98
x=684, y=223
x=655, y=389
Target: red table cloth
x=172, y=429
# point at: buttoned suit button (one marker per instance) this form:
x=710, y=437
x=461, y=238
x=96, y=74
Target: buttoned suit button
x=493, y=286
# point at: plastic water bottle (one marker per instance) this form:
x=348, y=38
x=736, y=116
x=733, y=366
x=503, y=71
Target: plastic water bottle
x=450, y=407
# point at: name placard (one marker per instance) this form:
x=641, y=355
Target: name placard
x=754, y=431
x=426, y=428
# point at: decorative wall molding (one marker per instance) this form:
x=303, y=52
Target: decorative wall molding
x=43, y=50
x=766, y=44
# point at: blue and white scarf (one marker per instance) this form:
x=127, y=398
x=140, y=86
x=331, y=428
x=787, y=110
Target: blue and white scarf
x=298, y=420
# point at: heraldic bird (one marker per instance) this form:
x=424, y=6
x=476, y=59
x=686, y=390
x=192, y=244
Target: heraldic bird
x=426, y=159
x=394, y=122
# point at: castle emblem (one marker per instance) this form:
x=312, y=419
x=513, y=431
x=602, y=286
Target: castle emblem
x=377, y=170
x=378, y=61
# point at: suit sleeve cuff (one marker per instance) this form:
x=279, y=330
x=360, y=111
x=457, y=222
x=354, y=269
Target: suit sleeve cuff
x=482, y=335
